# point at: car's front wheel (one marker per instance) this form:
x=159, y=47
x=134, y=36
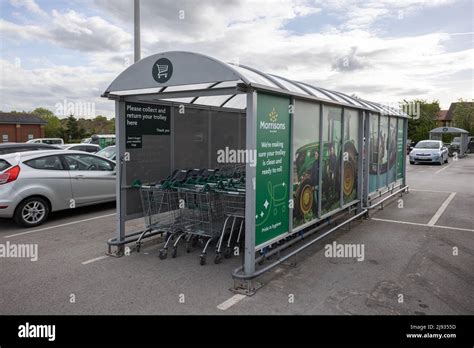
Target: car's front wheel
x=412, y=162
x=31, y=212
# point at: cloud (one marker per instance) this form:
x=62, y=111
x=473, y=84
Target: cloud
x=30, y=5
x=71, y=30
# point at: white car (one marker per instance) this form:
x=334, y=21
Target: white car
x=90, y=148
x=50, y=141
x=35, y=183
x=429, y=151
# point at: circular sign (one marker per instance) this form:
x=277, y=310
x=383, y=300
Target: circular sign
x=445, y=129
x=162, y=70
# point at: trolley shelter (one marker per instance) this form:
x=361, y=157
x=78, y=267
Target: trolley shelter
x=307, y=152
x=437, y=134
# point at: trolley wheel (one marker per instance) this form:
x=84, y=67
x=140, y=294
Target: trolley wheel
x=227, y=252
x=188, y=247
x=202, y=259
x=218, y=258
x=174, y=253
x=137, y=247
x=163, y=254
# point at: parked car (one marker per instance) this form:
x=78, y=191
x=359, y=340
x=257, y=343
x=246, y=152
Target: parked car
x=90, y=148
x=108, y=152
x=33, y=184
x=7, y=148
x=50, y=141
x=432, y=151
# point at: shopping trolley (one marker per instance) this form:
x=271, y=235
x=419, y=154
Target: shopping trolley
x=202, y=216
x=160, y=210
x=233, y=203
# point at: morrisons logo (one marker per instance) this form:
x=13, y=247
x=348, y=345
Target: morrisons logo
x=273, y=124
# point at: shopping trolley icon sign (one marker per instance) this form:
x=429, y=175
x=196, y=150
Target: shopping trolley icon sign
x=162, y=70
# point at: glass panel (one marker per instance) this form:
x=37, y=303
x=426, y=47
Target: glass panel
x=289, y=85
x=392, y=151
x=187, y=87
x=238, y=102
x=338, y=98
x=332, y=146
x=254, y=77
x=383, y=152
x=318, y=94
x=305, y=162
x=225, y=84
x=214, y=100
x=351, y=154
x=373, y=152
x=179, y=100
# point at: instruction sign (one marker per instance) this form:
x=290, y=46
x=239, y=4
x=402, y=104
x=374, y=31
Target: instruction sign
x=145, y=119
x=273, y=168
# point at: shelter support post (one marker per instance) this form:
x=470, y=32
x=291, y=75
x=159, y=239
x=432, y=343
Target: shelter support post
x=248, y=286
x=120, y=179
x=361, y=151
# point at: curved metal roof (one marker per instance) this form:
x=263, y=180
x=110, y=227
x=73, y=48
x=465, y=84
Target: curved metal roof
x=441, y=130
x=194, y=71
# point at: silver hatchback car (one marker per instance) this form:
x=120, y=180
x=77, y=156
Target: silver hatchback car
x=35, y=183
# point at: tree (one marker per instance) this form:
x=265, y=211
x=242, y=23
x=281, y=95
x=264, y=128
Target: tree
x=463, y=115
x=72, y=131
x=419, y=126
x=53, y=127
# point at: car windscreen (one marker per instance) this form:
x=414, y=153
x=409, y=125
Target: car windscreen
x=108, y=152
x=427, y=145
x=4, y=165
x=52, y=142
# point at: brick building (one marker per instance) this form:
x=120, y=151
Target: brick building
x=20, y=127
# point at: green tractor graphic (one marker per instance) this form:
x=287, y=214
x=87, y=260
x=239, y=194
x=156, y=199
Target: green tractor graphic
x=305, y=190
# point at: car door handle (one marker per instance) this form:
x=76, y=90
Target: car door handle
x=79, y=177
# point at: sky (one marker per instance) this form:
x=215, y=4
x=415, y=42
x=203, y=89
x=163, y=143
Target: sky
x=58, y=52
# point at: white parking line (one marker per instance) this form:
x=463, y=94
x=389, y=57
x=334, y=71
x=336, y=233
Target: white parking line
x=420, y=190
x=61, y=225
x=94, y=260
x=439, y=171
x=424, y=225
x=441, y=209
x=231, y=301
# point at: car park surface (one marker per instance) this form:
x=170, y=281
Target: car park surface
x=409, y=250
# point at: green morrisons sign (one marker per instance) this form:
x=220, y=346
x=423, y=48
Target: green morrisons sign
x=273, y=168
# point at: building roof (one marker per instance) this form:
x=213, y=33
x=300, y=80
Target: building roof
x=441, y=116
x=452, y=107
x=20, y=118
x=190, y=71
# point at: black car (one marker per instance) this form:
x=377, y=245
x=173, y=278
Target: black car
x=7, y=148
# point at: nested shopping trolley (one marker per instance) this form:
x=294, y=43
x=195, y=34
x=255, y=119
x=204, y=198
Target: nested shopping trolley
x=232, y=196
x=161, y=211
x=202, y=217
